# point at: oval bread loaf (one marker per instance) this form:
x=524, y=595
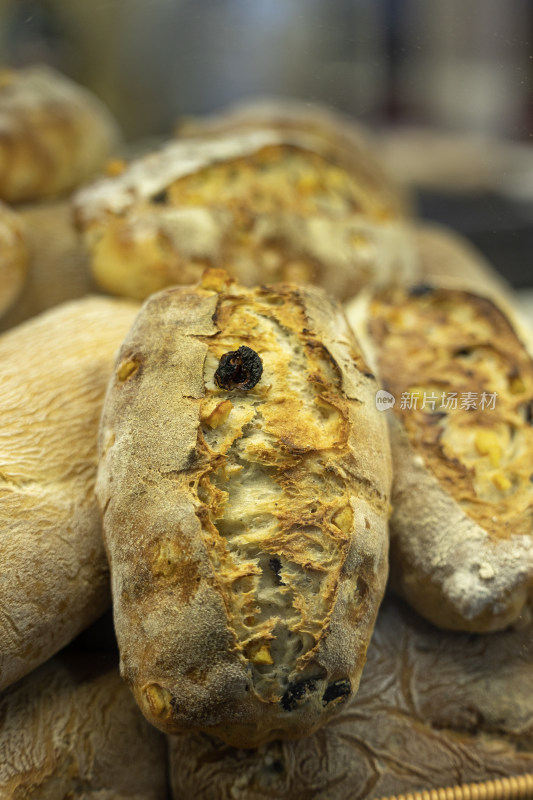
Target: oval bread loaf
x=246, y=528
x=53, y=571
x=54, y=134
x=460, y=370
x=266, y=205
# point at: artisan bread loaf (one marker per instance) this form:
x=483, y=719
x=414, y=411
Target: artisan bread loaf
x=434, y=709
x=53, y=570
x=13, y=257
x=459, y=369
x=265, y=204
x=347, y=141
x=244, y=482
x=72, y=730
x=53, y=134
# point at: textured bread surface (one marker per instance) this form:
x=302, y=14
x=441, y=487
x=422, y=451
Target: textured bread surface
x=72, y=730
x=53, y=570
x=53, y=134
x=13, y=257
x=266, y=205
x=58, y=268
x=342, y=135
x=462, y=523
x=246, y=530
x=433, y=709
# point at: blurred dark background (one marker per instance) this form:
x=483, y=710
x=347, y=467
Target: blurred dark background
x=446, y=85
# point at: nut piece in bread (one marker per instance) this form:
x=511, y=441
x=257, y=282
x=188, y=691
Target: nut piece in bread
x=53, y=569
x=72, y=730
x=434, y=709
x=13, y=257
x=245, y=512
x=461, y=373
x=266, y=205
x=54, y=134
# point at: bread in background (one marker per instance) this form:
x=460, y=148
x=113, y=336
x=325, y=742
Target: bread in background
x=13, y=257
x=54, y=134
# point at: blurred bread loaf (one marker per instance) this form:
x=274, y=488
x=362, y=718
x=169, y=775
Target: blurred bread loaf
x=72, y=730
x=244, y=511
x=13, y=257
x=434, y=709
x=265, y=204
x=460, y=371
x=53, y=571
x=54, y=134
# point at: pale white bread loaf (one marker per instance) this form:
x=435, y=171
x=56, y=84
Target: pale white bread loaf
x=53, y=570
x=246, y=529
x=265, y=204
x=54, y=134
x=462, y=521
x=72, y=730
x=13, y=257
x=433, y=710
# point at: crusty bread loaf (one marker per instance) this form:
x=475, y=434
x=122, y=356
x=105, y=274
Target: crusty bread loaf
x=347, y=140
x=53, y=571
x=58, y=268
x=13, y=257
x=266, y=205
x=434, y=709
x=53, y=134
x=461, y=373
x=246, y=528
x=72, y=730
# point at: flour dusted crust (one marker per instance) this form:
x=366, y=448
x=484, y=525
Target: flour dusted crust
x=433, y=709
x=53, y=570
x=344, y=139
x=53, y=134
x=72, y=730
x=462, y=522
x=13, y=257
x=246, y=530
x=266, y=205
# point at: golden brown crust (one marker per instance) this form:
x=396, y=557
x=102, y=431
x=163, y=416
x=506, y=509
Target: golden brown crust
x=72, y=729
x=461, y=427
x=266, y=205
x=13, y=257
x=246, y=531
x=433, y=709
x=54, y=579
x=53, y=134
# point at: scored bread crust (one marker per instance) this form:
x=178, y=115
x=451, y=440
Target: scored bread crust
x=266, y=205
x=53, y=571
x=246, y=531
x=13, y=257
x=461, y=525
x=54, y=134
